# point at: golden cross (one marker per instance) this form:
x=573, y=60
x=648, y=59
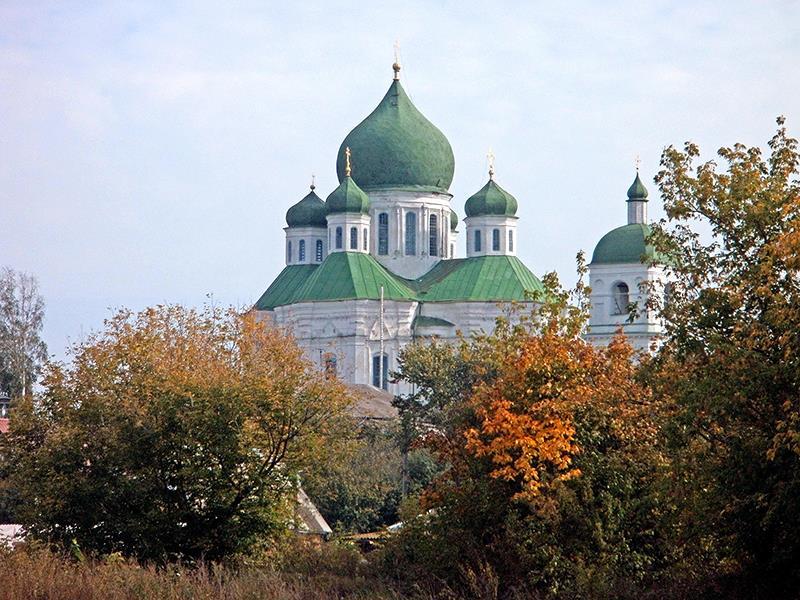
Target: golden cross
x=638, y=161
x=490, y=157
x=347, y=162
x=396, y=65
x=313, y=186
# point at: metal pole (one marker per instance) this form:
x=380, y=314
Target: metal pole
x=381, y=359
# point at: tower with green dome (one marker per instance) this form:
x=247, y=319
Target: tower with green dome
x=624, y=269
x=374, y=266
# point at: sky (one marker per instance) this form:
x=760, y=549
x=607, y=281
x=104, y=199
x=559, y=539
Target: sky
x=149, y=150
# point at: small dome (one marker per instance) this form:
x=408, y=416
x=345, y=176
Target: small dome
x=626, y=244
x=491, y=200
x=453, y=220
x=309, y=212
x=637, y=191
x=348, y=198
x=397, y=147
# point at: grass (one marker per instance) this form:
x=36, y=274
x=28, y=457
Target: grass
x=39, y=574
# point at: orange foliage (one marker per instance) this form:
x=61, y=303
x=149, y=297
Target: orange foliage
x=527, y=425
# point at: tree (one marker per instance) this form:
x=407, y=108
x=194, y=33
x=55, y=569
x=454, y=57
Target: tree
x=172, y=434
x=550, y=451
x=22, y=351
x=729, y=364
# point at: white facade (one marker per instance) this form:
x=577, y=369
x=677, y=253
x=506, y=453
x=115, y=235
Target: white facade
x=411, y=230
x=491, y=235
x=306, y=245
x=617, y=287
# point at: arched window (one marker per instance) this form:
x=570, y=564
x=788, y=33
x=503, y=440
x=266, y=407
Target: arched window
x=302, y=251
x=289, y=251
x=339, y=241
x=452, y=250
x=366, y=240
x=383, y=234
x=621, y=296
x=329, y=365
x=496, y=240
x=354, y=238
x=411, y=233
x=510, y=240
x=319, y=251
x=433, y=226
x=477, y=240
x=380, y=372
x=669, y=290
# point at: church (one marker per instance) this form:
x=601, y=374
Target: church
x=374, y=266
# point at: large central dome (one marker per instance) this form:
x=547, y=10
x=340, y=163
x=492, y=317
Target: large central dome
x=397, y=147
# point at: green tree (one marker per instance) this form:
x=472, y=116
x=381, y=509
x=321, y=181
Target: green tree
x=22, y=351
x=172, y=434
x=729, y=364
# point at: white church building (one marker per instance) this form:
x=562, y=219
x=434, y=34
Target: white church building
x=374, y=266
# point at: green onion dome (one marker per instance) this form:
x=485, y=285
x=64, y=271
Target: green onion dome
x=626, y=244
x=396, y=147
x=637, y=191
x=309, y=212
x=453, y=220
x=491, y=200
x=348, y=198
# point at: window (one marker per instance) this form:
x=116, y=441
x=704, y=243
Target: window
x=319, y=251
x=288, y=252
x=302, y=251
x=5, y=405
x=354, y=238
x=621, y=298
x=411, y=233
x=433, y=226
x=477, y=240
x=366, y=240
x=669, y=290
x=329, y=365
x=496, y=240
x=511, y=241
x=383, y=234
x=452, y=250
x=380, y=375
x=338, y=238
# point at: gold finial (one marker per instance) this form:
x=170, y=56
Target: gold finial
x=396, y=66
x=638, y=161
x=490, y=157
x=347, y=162
x=313, y=178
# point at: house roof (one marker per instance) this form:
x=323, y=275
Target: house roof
x=3, y=425
x=482, y=279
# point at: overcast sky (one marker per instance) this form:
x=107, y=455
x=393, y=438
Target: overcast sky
x=149, y=150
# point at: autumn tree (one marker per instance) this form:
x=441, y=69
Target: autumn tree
x=730, y=357
x=172, y=434
x=550, y=451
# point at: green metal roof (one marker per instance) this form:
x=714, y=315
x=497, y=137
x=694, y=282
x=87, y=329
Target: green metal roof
x=309, y=212
x=422, y=321
x=491, y=199
x=637, y=191
x=626, y=244
x=348, y=198
x=358, y=276
x=481, y=279
x=352, y=275
x=286, y=284
x=397, y=147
